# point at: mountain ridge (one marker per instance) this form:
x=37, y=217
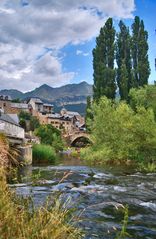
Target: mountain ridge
x=70, y=94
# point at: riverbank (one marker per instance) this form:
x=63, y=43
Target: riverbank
x=18, y=216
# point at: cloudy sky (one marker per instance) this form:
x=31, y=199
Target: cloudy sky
x=51, y=42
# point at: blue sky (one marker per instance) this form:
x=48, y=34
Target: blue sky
x=49, y=41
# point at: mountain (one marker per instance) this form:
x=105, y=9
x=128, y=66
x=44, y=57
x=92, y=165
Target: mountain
x=68, y=94
x=13, y=93
x=73, y=95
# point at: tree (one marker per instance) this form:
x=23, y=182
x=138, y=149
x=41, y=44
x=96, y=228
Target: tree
x=89, y=113
x=17, y=100
x=103, y=62
x=121, y=134
x=34, y=123
x=145, y=97
x=141, y=66
x=123, y=59
x=50, y=135
x=27, y=121
x=123, y=82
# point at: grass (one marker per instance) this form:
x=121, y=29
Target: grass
x=17, y=221
x=148, y=167
x=43, y=153
x=8, y=154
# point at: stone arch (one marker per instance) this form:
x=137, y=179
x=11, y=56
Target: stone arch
x=76, y=138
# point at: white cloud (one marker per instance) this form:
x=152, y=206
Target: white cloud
x=79, y=52
x=29, y=27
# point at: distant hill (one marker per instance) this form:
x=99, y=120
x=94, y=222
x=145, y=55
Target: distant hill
x=71, y=95
x=13, y=93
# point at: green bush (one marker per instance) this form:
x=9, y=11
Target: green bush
x=50, y=135
x=121, y=135
x=28, y=122
x=43, y=153
x=144, y=96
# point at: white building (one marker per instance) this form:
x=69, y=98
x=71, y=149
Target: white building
x=10, y=127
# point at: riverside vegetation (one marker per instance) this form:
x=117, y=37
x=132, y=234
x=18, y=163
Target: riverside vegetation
x=123, y=128
x=18, y=216
x=51, y=144
x=18, y=219
x=122, y=134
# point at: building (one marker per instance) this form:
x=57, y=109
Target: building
x=16, y=108
x=79, y=120
x=38, y=107
x=67, y=121
x=10, y=127
x=5, y=102
x=64, y=123
x=8, y=107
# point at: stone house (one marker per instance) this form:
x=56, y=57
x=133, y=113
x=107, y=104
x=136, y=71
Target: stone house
x=65, y=123
x=8, y=107
x=5, y=103
x=38, y=107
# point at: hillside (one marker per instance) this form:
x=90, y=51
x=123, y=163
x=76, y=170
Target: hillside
x=73, y=95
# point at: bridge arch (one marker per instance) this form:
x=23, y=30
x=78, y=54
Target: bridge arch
x=81, y=137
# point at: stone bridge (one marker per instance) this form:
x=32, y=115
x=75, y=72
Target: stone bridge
x=76, y=136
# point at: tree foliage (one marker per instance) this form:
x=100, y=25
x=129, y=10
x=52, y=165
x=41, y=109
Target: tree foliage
x=124, y=63
x=144, y=96
x=121, y=134
x=103, y=62
x=89, y=113
x=50, y=135
x=28, y=122
x=130, y=51
x=141, y=66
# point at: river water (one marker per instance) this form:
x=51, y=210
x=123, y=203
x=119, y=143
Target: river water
x=98, y=194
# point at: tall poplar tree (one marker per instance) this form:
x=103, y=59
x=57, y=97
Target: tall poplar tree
x=103, y=62
x=89, y=113
x=124, y=63
x=123, y=83
x=141, y=66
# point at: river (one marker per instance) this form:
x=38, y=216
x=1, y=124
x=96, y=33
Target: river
x=98, y=194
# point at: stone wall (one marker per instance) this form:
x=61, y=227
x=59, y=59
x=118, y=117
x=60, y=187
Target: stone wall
x=25, y=154
x=11, y=129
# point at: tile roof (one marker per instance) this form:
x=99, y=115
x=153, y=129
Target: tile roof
x=19, y=105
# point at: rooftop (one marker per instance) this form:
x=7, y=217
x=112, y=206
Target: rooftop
x=36, y=100
x=7, y=118
x=46, y=104
x=19, y=105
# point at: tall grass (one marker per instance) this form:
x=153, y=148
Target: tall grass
x=43, y=153
x=8, y=154
x=17, y=221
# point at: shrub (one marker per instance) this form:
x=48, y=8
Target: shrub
x=121, y=134
x=43, y=153
x=50, y=135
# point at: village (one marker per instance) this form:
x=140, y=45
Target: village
x=67, y=121
x=71, y=124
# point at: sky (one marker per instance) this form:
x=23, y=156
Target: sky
x=51, y=42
